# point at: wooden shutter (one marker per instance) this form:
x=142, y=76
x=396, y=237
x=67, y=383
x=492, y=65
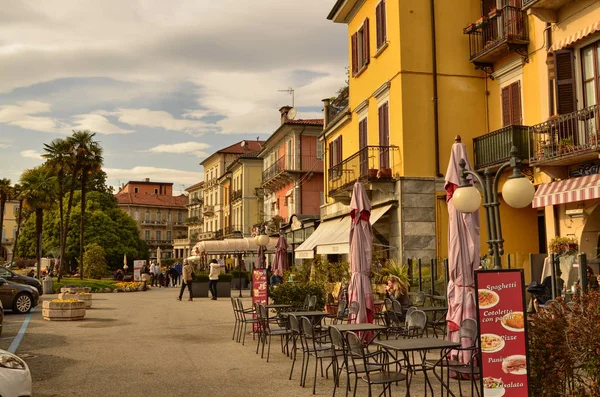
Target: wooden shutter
x=331, y=154
x=566, y=101
x=383, y=24
x=378, y=20
x=506, y=119
x=365, y=44
x=362, y=134
x=354, y=54
x=339, y=149
x=515, y=103
x=384, y=135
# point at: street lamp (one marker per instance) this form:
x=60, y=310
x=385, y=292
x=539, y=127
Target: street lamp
x=517, y=192
x=262, y=240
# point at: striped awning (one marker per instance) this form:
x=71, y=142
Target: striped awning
x=568, y=191
x=575, y=37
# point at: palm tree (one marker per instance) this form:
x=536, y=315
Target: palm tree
x=4, y=195
x=61, y=159
x=38, y=192
x=88, y=157
x=16, y=195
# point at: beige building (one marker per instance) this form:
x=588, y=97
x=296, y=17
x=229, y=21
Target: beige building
x=160, y=216
x=9, y=230
x=195, y=222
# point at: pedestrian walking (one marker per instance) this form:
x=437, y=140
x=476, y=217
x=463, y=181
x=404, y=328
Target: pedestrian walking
x=213, y=278
x=178, y=267
x=186, y=281
x=174, y=275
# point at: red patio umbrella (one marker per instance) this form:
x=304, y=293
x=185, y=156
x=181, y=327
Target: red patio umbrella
x=361, y=247
x=280, y=262
x=463, y=252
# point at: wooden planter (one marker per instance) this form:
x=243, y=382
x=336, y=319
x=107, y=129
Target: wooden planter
x=82, y=296
x=63, y=311
x=199, y=289
x=74, y=290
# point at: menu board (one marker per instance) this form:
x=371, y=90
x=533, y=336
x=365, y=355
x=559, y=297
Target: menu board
x=260, y=289
x=502, y=322
x=137, y=269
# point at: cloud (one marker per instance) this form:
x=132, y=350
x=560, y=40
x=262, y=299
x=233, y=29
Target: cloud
x=4, y=145
x=161, y=119
x=196, y=148
x=117, y=176
x=97, y=123
x=23, y=114
x=31, y=154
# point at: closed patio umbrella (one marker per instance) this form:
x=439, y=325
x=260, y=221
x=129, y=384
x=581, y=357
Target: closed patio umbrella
x=361, y=247
x=125, y=267
x=158, y=254
x=463, y=252
x=281, y=257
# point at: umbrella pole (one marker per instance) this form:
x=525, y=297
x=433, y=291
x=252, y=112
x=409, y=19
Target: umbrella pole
x=240, y=273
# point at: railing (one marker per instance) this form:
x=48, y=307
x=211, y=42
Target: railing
x=194, y=201
x=527, y=3
x=180, y=224
x=156, y=223
x=234, y=230
x=236, y=195
x=339, y=103
x=208, y=210
x=507, y=25
x=373, y=163
x=219, y=234
x=566, y=135
x=159, y=242
x=494, y=148
x=294, y=164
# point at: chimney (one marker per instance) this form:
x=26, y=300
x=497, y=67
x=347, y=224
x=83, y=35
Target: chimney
x=147, y=179
x=284, y=113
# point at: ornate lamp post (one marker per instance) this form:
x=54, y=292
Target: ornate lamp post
x=262, y=240
x=517, y=192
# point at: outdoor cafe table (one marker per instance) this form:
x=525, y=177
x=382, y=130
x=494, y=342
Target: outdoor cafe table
x=421, y=345
x=360, y=327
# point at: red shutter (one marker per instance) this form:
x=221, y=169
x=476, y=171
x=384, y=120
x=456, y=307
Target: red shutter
x=378, y=19
x=566, y=101
x=331, y=154
x=506, y=119
x=365, y=36
x=515, y=102
x=354, y=54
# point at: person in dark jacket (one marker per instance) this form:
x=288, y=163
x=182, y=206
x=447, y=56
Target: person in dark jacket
x=174, y=274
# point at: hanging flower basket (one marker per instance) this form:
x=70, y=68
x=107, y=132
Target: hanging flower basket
x=481, y=22
x=495, y=13
x=470, y=28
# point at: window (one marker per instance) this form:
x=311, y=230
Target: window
x=360, y=48
x=136, y=215
x=362, y=146
x=136, y=190
x=566, y=100
x=169, y=217
x=155, y=191
x=158, y=236
x=16, y=210
x=169, y=236
x=158, y=217
x=319, y=150
x=384, y=135
x=511, y=105
x=335, y=157
x=590, y=62
x=381, y=24
x=147, y=234
x=179, y=217
x=147, y=216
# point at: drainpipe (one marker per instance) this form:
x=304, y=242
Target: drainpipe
x=548, y=32
x=436, y=127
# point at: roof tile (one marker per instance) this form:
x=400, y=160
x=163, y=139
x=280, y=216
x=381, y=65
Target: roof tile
x=151, y=200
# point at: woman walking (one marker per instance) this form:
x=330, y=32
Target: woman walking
x=186, y=279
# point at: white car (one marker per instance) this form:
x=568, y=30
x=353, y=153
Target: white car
x=15, y=378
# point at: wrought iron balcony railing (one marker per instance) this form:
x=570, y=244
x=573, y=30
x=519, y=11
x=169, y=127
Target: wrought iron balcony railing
x=373, y=163
x=159, y=242
x=491, y=37
x=567, y=137
x=293, y=164
x=338, y=104
x=236, y=195
x=493, y=149
x=208, y=210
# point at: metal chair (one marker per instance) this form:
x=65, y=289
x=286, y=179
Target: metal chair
x=352, y=311
x=236, y=318
x=306, y=302
x=296, y=335
x=375, y=365
x=340, y=317
x=244, y=320
x=312, y=303
x=420, y=299
x=268, y=332
x=468, y=330
x=315, y=346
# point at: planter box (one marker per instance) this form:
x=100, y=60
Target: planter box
x=235, y=283
x=74, y=290
x=200, y=289
x=223, y=289
x=63, y=311
x=82, y=296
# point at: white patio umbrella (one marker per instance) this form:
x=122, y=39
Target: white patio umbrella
x=158, y=254
x=125, y=267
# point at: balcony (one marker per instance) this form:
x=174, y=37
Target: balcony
x=493, y=149
x=236, y=195
x=154, y=243
x=545, y=9
x=195, y=201
x=337, y=105
x=179, y=224
x=154, y=223
x=567, y=139
x=208, y=210
x=369, y=165
x=287, y=168
x=494, y=36
x=233, y=230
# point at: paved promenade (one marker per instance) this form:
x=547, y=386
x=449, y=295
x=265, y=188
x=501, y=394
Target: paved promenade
x=150, y=344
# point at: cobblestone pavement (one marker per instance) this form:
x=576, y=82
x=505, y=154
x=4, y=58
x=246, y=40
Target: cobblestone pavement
x=150, y=344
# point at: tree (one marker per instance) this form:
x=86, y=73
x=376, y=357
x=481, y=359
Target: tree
x=38, y=192
x=16, y=191
x=5, y=192
x=88, y=157
x=60, y=159
x=94, y=261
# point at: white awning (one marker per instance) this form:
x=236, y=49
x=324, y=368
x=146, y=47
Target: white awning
x=334, y=235
x=233, y=245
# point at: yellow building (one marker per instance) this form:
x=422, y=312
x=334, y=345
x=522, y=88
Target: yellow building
x=195, y=222
x=9, y=230
x=412, y=89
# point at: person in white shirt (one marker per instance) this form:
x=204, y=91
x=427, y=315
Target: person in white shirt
x=213, y=278
x=154, y=270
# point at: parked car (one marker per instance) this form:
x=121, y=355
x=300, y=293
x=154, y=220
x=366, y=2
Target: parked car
x=21, y=298
x=9, y=275
x=15, y=377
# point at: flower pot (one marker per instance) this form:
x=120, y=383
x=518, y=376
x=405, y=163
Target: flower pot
x=63, y=311
x=85, y=297
x=481, y=22
x=372, y=173
x=495, y=13
x=384, y=173
x=470, y=28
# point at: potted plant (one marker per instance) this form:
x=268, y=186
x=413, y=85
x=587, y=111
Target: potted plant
x=563, y=245
x=494, y=13
x=236, y=276
x=593, y=139
x=470, y=28
x=372, y=173
x=565, y=145
x=481, y=21
x=384, y=173
x=391, y=270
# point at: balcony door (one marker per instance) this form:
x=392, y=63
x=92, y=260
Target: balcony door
x=384, y=136
x=362, y=147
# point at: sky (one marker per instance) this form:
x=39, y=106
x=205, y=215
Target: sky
x=163, y=84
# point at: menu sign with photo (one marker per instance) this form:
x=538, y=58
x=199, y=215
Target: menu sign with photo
x=260, y=286
x=502, y=322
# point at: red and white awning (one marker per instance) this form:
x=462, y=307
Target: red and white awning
x=580, y=35
x=568, y=191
